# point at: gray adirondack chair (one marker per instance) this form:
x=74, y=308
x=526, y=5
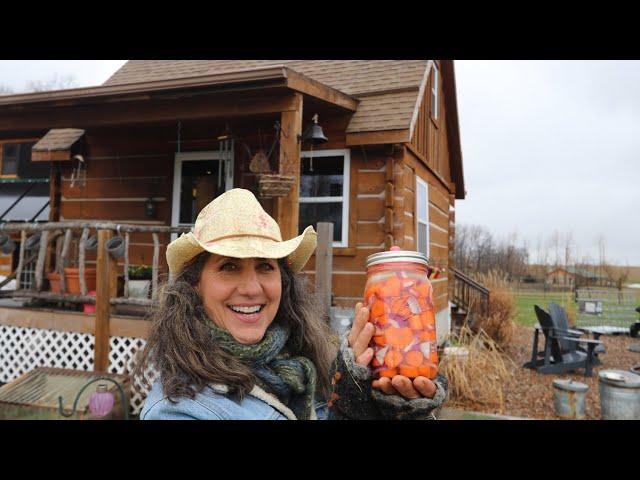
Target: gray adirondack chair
x=554, y=358
x=561, y=323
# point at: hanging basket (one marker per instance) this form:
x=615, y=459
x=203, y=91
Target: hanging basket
x=271, y=185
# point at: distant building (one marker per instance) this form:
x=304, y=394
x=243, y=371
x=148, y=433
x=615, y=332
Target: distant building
x=570, y=276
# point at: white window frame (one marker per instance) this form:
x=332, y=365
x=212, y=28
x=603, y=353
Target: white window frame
x=344, y=199
x=177, y=180
x=420, y=182
x=434, y=92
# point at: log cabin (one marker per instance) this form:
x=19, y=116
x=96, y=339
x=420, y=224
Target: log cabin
x=160, y=139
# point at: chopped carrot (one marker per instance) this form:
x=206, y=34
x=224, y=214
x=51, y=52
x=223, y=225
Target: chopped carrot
x=415, y=323
x=392, y=287
x=409, y=371
x=424, y=289
x=371, y=291
x=427, y=335
x=389, y=372
x=428, y=370
x=428, y=319
x=399, y=337
x=393, y=358
x=414, y=358
x=433, y=356
x=377, y=309
x=379, y=340
x=375, y=362
x=400, y=307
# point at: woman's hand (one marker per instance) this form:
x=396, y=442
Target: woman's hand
x=359, y=338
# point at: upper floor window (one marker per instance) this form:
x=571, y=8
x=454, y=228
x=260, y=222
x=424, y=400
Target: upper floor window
x=422, y=216
x=435, y=79
x=324, y=192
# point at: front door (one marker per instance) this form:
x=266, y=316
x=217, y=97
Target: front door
x=198, y=178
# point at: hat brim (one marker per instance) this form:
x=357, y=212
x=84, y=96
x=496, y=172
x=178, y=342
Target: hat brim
x=297, y=250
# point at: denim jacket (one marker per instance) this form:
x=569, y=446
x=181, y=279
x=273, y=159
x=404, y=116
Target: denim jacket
x=352, y=398
x=213, y=404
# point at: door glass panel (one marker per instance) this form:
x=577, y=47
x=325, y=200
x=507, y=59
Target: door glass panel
x=201, y=182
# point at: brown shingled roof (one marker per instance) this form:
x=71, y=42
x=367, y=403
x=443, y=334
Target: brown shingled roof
x=387, y=89
x=58, y=139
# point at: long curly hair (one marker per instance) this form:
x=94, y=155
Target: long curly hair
x=181, y=350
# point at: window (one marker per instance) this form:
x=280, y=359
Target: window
x=10, y=158
x=422, y=216
x=435, y=74
x=324, y=192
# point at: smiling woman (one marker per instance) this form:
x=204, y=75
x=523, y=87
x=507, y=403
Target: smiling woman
x=238, y=336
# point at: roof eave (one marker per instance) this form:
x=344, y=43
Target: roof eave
x=453, y=127
x=255, y=75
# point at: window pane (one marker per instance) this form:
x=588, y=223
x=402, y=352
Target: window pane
x=10, y=159
x=422, y=238
x=322, y=176
x=198, y=187
x=421, y=201
x=312, y=213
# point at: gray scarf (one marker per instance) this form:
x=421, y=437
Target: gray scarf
x=291, y=378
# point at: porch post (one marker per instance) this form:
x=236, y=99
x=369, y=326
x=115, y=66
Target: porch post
x=106, y=288
x=286, y=209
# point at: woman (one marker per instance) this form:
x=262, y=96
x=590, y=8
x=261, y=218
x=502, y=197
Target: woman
x=238, y=336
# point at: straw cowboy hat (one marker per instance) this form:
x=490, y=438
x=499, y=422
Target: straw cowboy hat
x=236, y=225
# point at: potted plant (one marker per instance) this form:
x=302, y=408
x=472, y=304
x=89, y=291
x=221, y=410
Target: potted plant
x=140, y=281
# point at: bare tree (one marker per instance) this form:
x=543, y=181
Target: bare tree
x=56, y=82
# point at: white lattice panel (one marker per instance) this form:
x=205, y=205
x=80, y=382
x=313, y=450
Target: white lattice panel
x=23, y=349
x=122, y=355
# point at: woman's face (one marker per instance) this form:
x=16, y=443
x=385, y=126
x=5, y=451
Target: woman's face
x=241, y=295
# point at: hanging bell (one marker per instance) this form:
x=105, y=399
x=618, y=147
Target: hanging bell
x=314, y=133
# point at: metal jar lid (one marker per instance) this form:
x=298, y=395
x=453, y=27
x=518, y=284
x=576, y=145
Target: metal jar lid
x=396, y=255
x=620, y=378
x=570, y=385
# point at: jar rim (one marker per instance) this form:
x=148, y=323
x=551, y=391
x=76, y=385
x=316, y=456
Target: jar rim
x=396, y=256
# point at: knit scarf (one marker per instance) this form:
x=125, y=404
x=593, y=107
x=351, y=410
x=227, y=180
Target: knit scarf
x=291, y=378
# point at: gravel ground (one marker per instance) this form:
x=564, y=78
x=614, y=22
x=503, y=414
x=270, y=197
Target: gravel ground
x=530, y=394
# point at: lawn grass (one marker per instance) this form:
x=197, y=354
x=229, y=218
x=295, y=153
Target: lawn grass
x=526, y=316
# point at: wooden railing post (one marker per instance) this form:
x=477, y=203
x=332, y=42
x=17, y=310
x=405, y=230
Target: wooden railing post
x=106, y=288
x=324, y=265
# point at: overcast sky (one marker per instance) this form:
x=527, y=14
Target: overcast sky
x=553, y=146
x=547, y=146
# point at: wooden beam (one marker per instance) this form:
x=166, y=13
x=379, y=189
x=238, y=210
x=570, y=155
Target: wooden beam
x=51, y=156
x=67, y=321
x=155, y=111
x=324, y=266
x=287, y=209
x=423, y=159
x=313, y=88
x=377, y=138
x=106, y=277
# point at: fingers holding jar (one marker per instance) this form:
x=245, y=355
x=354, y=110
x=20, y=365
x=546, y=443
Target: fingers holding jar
x=360, y=335
x=403, y=386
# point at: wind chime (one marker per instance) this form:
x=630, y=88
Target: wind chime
x=226, y=145
x=79, y=174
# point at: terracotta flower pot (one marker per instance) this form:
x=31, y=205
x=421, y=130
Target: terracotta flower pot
x=72, y=280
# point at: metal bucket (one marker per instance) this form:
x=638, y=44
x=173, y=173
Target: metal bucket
x=32, y=242
x=569, y=399
x=619, y=395
x=91, y=243
x=6, y=244
x=115, y=247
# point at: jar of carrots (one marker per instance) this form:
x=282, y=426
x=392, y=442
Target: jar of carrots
x=400, y=301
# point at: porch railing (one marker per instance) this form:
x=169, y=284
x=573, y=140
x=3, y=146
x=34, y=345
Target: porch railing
x=469, y=294
x=106, y=297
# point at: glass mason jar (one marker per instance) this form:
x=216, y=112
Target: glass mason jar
x=399, y=296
